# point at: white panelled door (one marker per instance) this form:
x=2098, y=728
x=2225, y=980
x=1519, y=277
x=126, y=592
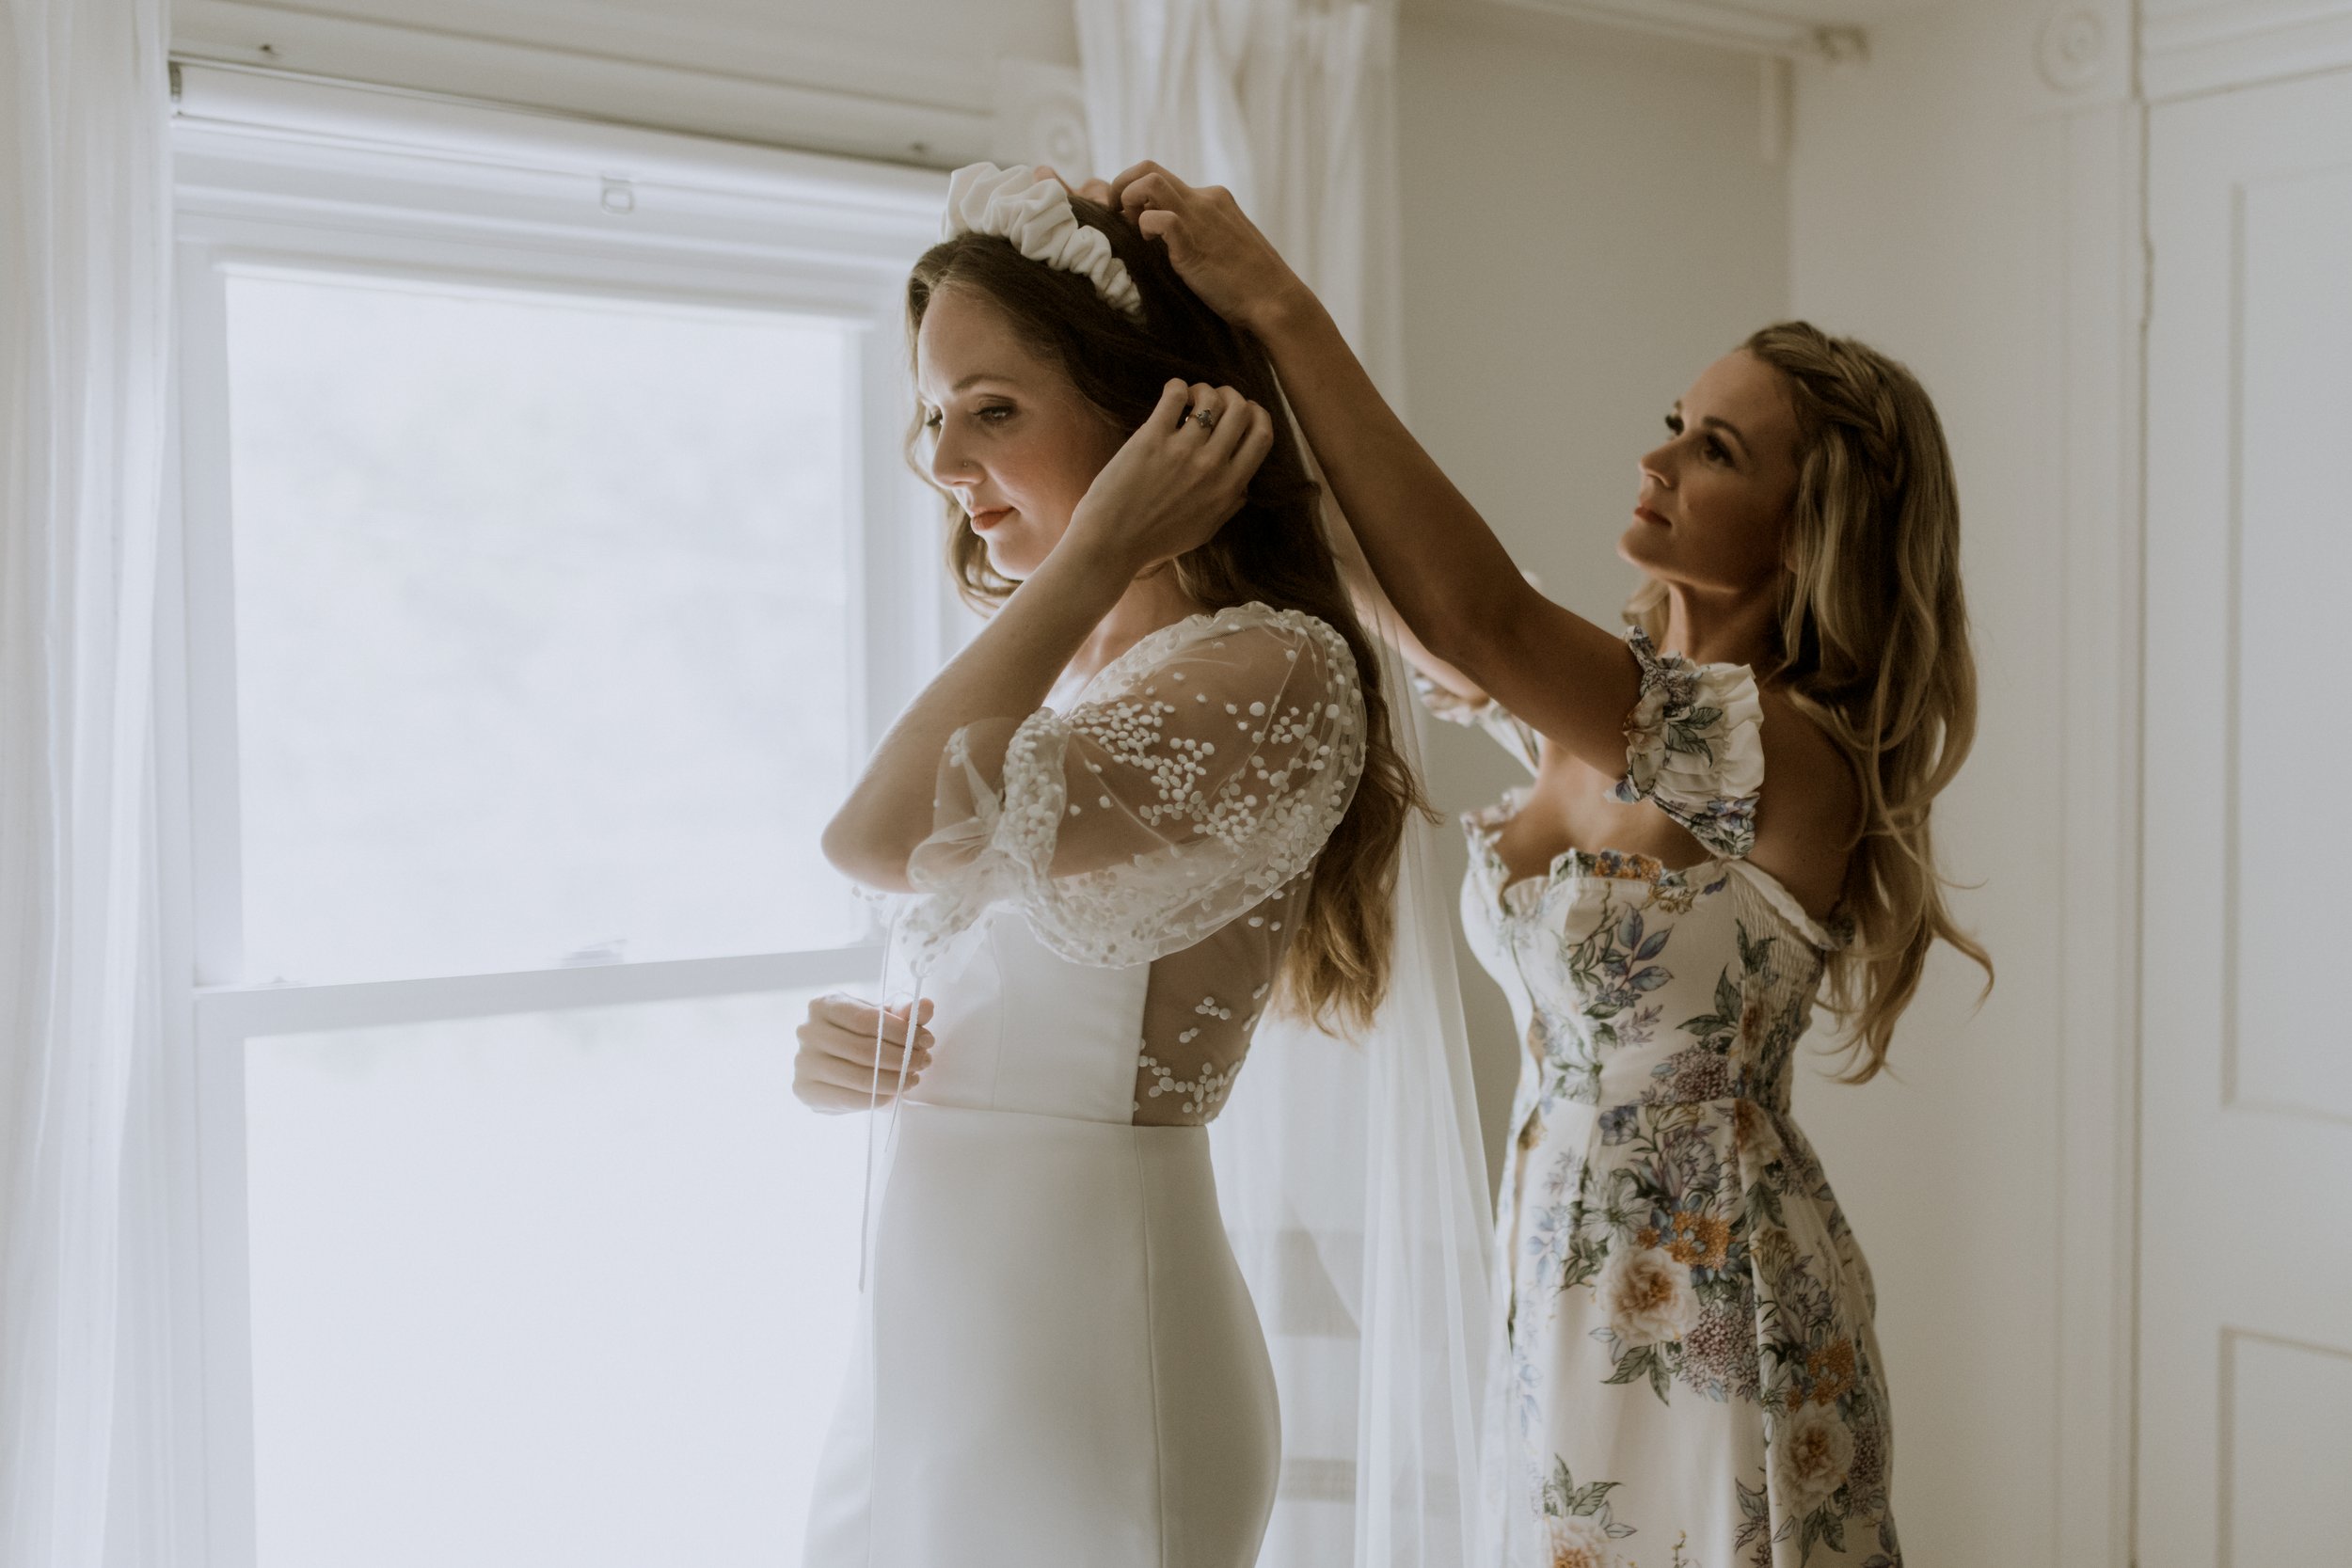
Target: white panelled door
x=2245, y=1154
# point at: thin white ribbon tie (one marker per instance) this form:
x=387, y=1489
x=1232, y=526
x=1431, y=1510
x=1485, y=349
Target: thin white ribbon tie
x=870, y=1292
x=873, y=1094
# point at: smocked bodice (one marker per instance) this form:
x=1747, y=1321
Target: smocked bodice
x=1634, y=984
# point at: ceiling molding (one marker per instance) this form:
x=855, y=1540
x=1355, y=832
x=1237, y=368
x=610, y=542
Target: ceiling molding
x=2189, y=49
x=295, y=163
x=840, y=101
x=1744, y=28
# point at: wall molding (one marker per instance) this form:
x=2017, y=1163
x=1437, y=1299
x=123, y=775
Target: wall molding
x=1042, y=117
x=1727, y=27
x=2074, y=42
x=911, y=105
x=269, y=147
x=2186, y=50
x=2094, y=308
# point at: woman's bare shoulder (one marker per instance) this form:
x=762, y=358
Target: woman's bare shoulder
x=1810, y=809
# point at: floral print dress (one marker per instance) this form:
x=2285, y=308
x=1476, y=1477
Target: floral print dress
x=1691, y=1375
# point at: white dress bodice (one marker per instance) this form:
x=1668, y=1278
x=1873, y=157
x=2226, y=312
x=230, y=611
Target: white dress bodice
x=990, y=1055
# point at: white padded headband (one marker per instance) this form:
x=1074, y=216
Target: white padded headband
x=1034, y=214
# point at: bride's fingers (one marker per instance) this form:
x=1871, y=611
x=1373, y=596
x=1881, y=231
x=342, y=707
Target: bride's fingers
x=1227, y=412
x=858, y=1015
x=814, y=1070
x=1257, y=438
x=856, y=1052
x=1174, y=408
x=857, y=1045
x=1202, y=399
x=856, y=1048
x=839, y=1007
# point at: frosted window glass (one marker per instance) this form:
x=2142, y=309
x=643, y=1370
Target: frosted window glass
x=566, y=1289
x=543, y=619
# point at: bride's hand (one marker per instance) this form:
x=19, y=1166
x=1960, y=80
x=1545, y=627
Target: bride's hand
x=835, y=1070
x=1178, y=479
x=1216, y=250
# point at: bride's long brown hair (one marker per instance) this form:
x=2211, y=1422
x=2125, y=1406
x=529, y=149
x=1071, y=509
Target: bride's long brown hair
x=1336, y=969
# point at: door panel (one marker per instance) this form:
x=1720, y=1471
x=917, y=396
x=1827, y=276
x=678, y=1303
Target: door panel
x=2246, y=1247
x=2290, y=1414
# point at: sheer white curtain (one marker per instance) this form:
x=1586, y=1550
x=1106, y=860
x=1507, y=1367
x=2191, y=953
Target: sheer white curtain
x=1290, y=105
x=1352, y=1174
x=84, y=335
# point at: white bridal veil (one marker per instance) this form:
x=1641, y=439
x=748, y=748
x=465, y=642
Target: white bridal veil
x=1354, y=1186
x=1352, y=1175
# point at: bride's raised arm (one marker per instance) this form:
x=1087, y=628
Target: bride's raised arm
x=1172, y=475
x=1451, y=582
x=1205, y=770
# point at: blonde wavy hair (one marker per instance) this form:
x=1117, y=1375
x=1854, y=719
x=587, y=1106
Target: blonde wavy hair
x=1873, y=646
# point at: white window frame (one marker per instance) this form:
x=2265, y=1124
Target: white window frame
x=274, y=171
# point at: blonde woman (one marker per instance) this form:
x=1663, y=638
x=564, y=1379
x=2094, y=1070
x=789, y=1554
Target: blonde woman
x=1728, y=820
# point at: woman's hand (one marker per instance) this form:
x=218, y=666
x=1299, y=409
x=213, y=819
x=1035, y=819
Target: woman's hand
x=1178, y=480
x=1216, y=250
x=834, y=1070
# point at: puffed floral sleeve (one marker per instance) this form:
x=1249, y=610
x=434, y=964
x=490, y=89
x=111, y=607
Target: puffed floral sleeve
x=1694, y=744
x=1198, y=774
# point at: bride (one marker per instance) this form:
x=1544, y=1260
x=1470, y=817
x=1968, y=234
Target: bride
x=1151, y=803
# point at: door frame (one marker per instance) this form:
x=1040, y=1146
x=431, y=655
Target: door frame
x=2094, y=302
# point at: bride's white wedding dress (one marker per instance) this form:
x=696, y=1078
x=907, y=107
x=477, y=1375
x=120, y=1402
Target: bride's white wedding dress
x=1059, y=1366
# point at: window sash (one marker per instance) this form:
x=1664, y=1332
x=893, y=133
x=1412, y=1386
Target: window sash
x=274, y=171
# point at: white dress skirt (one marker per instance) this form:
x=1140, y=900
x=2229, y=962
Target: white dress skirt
x=1073, y=1373
x=1059, y=1364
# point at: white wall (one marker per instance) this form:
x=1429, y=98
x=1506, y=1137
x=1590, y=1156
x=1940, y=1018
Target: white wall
x=1927, y=217
x=1588, y=222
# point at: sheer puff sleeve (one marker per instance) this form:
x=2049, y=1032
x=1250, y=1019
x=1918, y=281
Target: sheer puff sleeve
x=1694, y=744
x=1198, y=773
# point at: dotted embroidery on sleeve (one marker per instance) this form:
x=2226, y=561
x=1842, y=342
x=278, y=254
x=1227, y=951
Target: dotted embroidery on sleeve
x=1234, y=834
x=1213, y=759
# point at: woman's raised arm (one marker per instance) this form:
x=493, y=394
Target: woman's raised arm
x=1168, y=477
x=1449, y=578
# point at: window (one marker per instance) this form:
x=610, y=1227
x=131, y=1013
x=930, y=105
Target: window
x=550, y=562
